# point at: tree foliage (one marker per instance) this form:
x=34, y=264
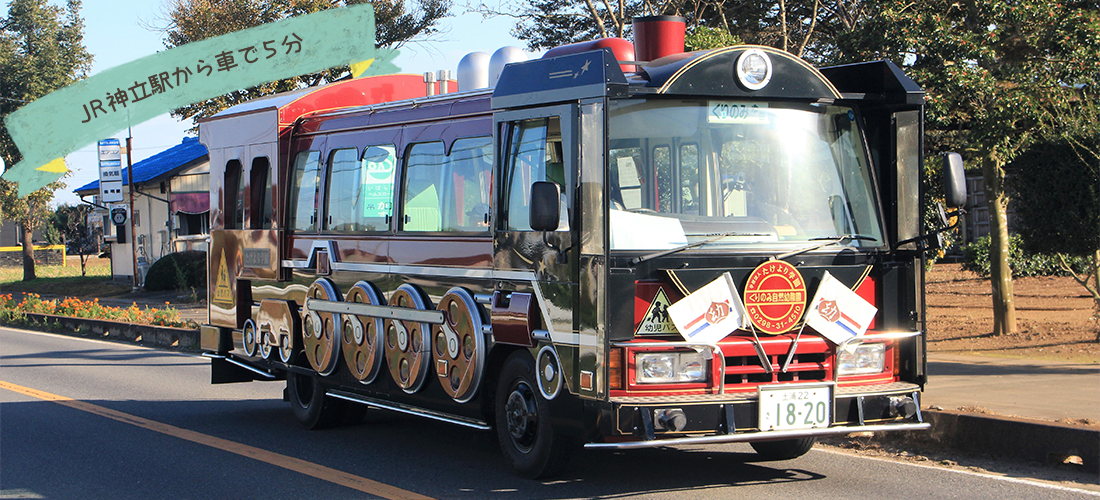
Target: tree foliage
x=806, y=28
x=995, y=71
x=1057, y=188
x=194, y=20
x=77, y=236
x=1057, y=199
x=41, y=50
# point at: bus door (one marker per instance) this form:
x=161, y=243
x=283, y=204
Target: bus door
x=245, y=242
x=537, y=270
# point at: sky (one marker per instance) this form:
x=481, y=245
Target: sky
x=115, y=32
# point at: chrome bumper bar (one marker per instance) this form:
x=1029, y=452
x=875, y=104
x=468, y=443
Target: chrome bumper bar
x=758, y=436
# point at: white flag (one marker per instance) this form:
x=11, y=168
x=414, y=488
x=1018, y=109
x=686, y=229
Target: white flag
x=710, y=313
x=837, y=312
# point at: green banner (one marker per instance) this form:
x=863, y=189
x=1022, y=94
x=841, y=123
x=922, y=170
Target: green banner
x=97, y=107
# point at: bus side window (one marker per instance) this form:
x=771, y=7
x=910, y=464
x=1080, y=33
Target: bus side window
x=360, y=191
x=343, y=190
x=469, y=177
x=303, y=191
x=260, y=202
x=233, y=208
x=535, y=154
x=375, y=205
x=424, y=166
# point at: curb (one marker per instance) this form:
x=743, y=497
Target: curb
x=160, y=336
x=1017, y=438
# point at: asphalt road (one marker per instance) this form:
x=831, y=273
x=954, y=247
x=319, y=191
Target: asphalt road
x=85, y=419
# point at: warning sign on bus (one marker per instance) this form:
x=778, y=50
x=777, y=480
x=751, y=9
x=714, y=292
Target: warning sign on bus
x=656, y=320
x=222, y=292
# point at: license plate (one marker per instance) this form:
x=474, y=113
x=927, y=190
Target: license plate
x=801, y=406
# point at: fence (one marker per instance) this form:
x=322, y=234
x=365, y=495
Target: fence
x=48, y=255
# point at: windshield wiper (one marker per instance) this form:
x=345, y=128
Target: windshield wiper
x=827, y=240
x=714, y=237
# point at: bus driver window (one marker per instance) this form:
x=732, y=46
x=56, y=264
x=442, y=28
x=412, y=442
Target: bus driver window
x=535, y=154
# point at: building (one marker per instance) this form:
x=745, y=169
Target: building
x=171, y=207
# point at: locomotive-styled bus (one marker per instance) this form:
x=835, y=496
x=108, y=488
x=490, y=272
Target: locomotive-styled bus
x=509, y=257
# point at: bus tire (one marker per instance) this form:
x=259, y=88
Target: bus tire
x=527, y=437
x=786, y=449
x=309, y=404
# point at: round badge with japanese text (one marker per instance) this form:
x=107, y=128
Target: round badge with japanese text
x=775, y=297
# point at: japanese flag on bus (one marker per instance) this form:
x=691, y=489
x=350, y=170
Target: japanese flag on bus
x=710, y=313
x=837, y=312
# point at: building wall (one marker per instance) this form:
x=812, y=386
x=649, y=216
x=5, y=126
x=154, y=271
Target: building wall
x=152, y=232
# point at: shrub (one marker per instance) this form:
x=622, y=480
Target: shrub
x=12, y=311
x=177, y=271
x=976, y=259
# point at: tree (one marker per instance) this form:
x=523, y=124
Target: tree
x=194, y=20
x=1057, y=190
x=802, y=27
x=72, y=223
x=41, y=50
x=994, y=72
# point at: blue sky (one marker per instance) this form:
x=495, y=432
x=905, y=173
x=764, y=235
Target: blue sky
x=115, y=33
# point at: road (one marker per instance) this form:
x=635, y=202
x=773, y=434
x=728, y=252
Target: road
x=86, y=419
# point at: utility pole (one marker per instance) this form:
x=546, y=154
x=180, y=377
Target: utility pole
x=133, y=233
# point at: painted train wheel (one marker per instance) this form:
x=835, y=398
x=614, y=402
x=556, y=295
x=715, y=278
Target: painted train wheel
x=250, y=337
x=319, y=343
x=458, y=345
x=406, y=344
x=363, y=335
x=266, y=343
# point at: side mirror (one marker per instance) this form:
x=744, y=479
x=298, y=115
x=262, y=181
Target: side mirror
x=545, y=206
x=954, y=180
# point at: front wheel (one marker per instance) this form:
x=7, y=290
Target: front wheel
x=523, y=422
x=786, y=449
x=310, y=406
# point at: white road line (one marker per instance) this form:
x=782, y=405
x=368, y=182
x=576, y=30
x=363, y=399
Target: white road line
x=970, y=473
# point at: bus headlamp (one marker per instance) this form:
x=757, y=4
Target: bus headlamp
x=670, y=367
x=862, y=359
x=754, y=69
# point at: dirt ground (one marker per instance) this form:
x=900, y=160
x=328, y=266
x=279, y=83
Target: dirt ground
x=1054, y=317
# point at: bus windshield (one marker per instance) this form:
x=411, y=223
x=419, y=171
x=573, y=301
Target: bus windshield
x=773, y=174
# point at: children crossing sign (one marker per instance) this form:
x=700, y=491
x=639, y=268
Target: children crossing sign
x=222, y=292
x=656, y=320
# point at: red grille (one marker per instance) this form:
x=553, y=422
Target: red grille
x=813, y=361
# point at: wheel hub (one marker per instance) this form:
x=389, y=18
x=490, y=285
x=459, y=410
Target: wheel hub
x=522, y=415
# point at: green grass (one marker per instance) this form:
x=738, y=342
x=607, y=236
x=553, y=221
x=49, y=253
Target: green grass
x=65, y=280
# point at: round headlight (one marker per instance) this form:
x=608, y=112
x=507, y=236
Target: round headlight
x=754, y=69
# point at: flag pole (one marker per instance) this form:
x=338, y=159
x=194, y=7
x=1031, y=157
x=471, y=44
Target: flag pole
x=764, y=361
x=794, y=347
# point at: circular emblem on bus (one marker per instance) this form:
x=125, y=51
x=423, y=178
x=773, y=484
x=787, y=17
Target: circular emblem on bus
x=775, y=297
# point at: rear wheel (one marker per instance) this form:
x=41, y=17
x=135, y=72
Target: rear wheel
x=783, y=450
x=309, y=404
x=523, y=422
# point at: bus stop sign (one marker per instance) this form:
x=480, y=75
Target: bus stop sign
x=119, y=215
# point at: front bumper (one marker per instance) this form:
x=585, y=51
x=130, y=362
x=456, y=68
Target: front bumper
x=732, y=418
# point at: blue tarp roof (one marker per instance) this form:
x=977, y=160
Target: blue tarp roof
x=159, y=164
